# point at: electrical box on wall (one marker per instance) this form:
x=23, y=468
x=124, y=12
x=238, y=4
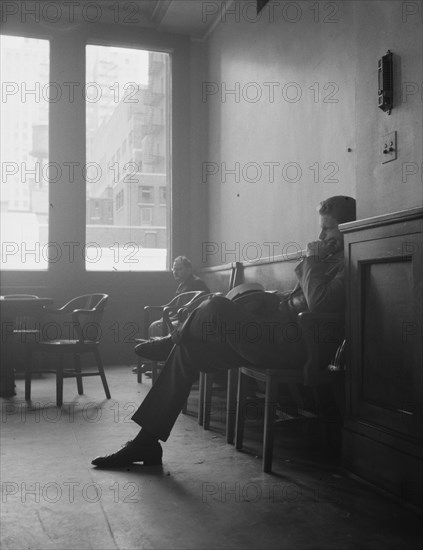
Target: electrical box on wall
x=389, y=147
x=385, y=73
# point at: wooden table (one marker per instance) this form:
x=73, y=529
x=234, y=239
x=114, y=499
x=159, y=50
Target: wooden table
x=10, y=310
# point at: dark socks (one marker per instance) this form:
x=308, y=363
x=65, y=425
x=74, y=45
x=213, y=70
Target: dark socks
x=145, y=438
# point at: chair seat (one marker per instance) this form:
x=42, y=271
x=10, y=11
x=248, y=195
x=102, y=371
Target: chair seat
x=288, y=375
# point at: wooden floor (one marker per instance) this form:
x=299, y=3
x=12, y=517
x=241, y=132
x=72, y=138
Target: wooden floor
x=206, y=495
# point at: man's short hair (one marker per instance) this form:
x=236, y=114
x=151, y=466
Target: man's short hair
x=340, y=207
x=184, y=261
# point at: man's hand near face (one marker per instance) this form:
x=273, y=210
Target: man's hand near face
x=322, y=249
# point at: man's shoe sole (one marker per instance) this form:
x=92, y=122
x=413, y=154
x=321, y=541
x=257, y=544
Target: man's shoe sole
x=126, y=457
x=116, y=464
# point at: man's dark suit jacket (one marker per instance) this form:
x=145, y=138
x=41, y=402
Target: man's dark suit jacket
x=321, y=286
x=192, y=284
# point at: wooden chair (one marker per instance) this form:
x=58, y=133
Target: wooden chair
x=182, y=314
x=322, y=335
x=165, y=313
x=205, y=405
x=230, y=275
x=86, y=313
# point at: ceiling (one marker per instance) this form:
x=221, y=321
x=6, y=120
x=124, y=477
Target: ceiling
x=194, y=18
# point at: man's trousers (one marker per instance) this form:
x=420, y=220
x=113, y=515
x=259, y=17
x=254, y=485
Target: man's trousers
x=219, y=334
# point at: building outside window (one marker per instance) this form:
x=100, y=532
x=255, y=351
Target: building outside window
x=162, y=195
x=146, y=216
x=127, y=134
x=145, y=194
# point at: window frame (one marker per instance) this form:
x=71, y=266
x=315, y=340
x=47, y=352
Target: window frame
x=67, y=222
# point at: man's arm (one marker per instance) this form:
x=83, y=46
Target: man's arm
x=199, y=284
x=323, y=284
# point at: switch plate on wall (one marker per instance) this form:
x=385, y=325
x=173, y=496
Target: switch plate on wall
x=389, y=147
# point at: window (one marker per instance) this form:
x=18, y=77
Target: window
x=24, y=152
x=119, y=128
x=145, y=194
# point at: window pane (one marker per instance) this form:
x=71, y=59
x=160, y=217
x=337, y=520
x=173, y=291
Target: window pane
x=127, y=117
x=25, y=87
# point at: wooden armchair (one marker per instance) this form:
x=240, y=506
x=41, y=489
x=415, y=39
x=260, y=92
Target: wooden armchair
x=160, y=321
x=322, y=334
x=184, y=299
x=86, y=313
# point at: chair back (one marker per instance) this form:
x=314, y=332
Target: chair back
x=185, y=298
x=19, y=296
x=87, y=312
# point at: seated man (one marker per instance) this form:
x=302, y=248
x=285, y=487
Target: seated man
x=221, y=334
x=183, y=274
x=188, y=282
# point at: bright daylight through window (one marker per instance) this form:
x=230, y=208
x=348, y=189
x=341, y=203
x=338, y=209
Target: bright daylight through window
x=24, y=66
x=127, y=175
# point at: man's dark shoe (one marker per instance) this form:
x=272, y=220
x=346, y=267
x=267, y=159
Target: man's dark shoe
x=155, y=350
x=149, y=453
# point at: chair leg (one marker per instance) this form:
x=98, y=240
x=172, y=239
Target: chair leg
x=269, y=422
x=201, y=389
x=240, y=410
x=139, y=370
x=208, y=390
x=77, y=361
x=231, y=405
x=59, y=381
x=28, y=373
x=101, y=371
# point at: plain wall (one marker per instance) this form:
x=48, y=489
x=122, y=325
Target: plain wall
x=304, y=131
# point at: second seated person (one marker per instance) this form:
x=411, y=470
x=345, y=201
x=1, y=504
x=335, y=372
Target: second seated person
x=187, y=282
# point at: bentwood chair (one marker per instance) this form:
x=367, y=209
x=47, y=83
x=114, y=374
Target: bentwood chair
x=163, y=326
x=86, y=313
